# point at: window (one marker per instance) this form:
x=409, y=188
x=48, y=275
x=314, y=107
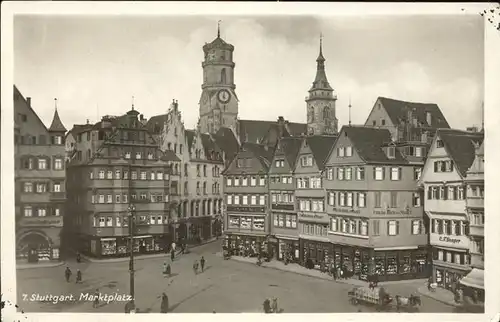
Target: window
x=361, y=199
x=117, y=174
x=127, y=155
x=42, y=212
x=109, y=199
x=229, y=181
x=333, y=224
x=28, y=211
x=109, y=174
x=378, y=173
x=416, y=199
x=42, y=164
x=439, y=144
x=159, y=175
x=117, y=198
x=340, y=152
x=329, y=173
x=28, y=187
x=417, y=173
x=345, y=226
x=253, y=181
x=236, y=200
x=395, y=173
x=418, y=151
x=460, y=193
x=279, y=163
x=229, y=199
x=91, y=175
x=348, y=151
x=394, y=199
x=340, y=173
x=352, y=227
x=348, y=173
x=392, y=227
x=109, y=221
x=58, y=164
x=143, y=175
x=376, y=227
x=101, y=198
x=57, y=187
x=244, y=182
x=236, y=181
x=306, y=161
x=360, y=173
x=262, y=181
x=294, y=221
x=349, y=199
x=364, y=228
x=102, y=221
x=391, y=152
x=378, y=199
x=152, y=175
x=262, y=200
x=138, y=155
x=331, y=198
x=254, y=200
x=342, y=199
x=415, y=227
x=41, y=187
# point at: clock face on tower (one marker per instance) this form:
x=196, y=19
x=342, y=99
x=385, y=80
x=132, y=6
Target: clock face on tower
x=223, y=96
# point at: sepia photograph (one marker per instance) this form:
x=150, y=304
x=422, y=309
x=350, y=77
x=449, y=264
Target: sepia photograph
x=247, y=162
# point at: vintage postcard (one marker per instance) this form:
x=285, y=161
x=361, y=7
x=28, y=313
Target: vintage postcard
x=178, y=158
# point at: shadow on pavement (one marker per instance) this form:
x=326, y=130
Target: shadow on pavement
x=173, y=307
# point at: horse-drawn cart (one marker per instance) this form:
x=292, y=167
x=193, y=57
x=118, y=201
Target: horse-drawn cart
x=376, y=296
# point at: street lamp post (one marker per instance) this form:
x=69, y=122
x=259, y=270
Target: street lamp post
x=131, y=210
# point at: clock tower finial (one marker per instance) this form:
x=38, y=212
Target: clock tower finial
x=218, y=28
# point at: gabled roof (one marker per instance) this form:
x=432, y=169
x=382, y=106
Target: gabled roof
x=254, y=131
x=155, y=123
x=80, y=128
x=218, y=43
x=460, y=146
x=18, y=92
x=227, y=142
x=169, y=155
x=320, y=146
x=369, y=142
x=57, y=125
x=263, y=153
x=209, y=146
x=290, y=147
x=398, y=110
x=189, y=134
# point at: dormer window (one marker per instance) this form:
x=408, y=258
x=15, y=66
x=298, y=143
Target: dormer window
x=391, y=152
x=439, y=144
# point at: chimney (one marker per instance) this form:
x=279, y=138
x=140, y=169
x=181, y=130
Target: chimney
x=429, y=118
x=281, y=119
x=141, y=117
x=88, y=122
x=28, y=100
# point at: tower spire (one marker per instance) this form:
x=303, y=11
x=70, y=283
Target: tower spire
x=55, y=103
x=349, y=110
x=218, y=28
x=132, y=103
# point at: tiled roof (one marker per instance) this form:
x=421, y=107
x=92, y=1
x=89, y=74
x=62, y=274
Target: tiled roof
x=169, y=155
x=291, y=147
x=218, y=43
x=210, y=146
x=226, y=141
x=368, y=143
x=80, y=128
x=261, y=152
x=296, y=129
x=320, y=146
x=461, y=146
x=155, y=123
x=254, y=131
x=56, y=125
x=398, y=110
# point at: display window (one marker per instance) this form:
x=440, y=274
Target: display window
x=258, y=223
x=404, y=263
x=380, y=265
x=108, y=247
x=392, y=264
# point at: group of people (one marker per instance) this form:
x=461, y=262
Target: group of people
x=68, y=273
x=271, y=305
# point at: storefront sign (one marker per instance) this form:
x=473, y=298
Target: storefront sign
x=450, y=241
x=42, y=222
x=245, y=209
x=392, y=212
x=346, y=210
x=315, y=217
x=282, y=207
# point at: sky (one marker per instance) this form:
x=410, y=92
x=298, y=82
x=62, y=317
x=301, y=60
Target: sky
x=94, y=65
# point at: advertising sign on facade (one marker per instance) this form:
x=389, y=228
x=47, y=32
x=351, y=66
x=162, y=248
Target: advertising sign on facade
x=450, y=241
x=42, y=222
x=307, y=216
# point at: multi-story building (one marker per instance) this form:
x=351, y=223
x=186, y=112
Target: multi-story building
x=282, y=199
x=310, y=198
x=198, y=197
x=247, y=224
x=474, y=181
x=73, y=138
x=375, y=206
x=39, y=181
x=117, y=174
x=450, y=156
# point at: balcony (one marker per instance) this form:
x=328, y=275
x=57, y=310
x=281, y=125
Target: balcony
x=475, y=202
x=58, y=196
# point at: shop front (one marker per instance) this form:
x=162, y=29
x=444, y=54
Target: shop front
x=120, y=246
x=316, y=250
x=448, y=277
x=35, y=246
x=246, y=245
x=287, y=247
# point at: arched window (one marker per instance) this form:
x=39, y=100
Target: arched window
x=204, y=170
x=223, y=76
x=311, y=114
x=326, y=113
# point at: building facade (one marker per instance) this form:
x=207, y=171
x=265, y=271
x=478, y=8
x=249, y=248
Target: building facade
x=310, y=199
x=218, y=101
x=198, y=196
x=247, y=223
x=474, y=181
x=285, y=232
x=39, y=182
x=321, y=111
x=375, y=207
x=450, y=156
x=118, y=180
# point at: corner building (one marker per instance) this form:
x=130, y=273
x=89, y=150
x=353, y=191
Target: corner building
x=40, y=192
x=246, y=195
x=375, y=207
x=451, y=154
x=116, y=166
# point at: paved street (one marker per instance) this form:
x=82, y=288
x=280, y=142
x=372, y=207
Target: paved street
x=226, y=286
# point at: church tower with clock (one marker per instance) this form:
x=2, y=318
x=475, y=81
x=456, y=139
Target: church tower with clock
x=218, y=101
x=321, y=118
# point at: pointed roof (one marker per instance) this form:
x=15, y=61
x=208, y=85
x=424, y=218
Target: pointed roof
x=56, y=125
x=320, y=146
x=218, y=42
x=320, y=81
x=461, y=146
x=290, y=147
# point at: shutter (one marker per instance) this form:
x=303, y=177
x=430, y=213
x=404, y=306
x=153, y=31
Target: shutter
x=397, y=227
x=429, y=193
x=445, y=193
x=338, y=222
x=400, y=173
x=387, y=227
x=374, y=172
x=455, y=192
x=433, y=223
x=436, y=166
x=52, y=140
x=383, y=173
x=451, y=165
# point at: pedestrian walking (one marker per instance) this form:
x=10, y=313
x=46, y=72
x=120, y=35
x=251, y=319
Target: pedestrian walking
x=202, y=262
x=195, y=267
x=267, y=306
x=275, y=305
x=96, y=299
x=78, y=276
x=172, y=254
x=67, y=274
x=165, y=267
x=164, y=303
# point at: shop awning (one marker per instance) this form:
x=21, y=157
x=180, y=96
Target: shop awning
x=474, y=279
